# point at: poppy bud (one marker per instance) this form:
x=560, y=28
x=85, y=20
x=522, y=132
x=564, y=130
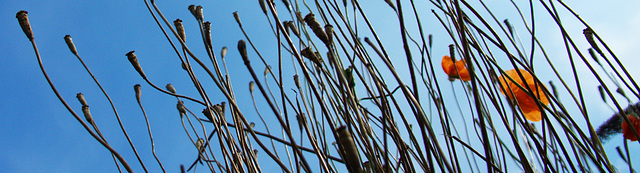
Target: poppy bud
x=170, y=88
x=72, y=47
x=134, y=61
x=23, y=19
x=223, y=52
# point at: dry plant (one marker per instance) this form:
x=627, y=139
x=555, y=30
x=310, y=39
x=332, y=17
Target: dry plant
x=345, y=104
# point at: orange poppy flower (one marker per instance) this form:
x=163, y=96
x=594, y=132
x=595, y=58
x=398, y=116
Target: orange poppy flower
x=626, y=130
x=526, y=103
x=450, y=68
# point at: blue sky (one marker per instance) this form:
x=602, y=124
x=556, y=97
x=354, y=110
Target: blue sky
x=39, y=135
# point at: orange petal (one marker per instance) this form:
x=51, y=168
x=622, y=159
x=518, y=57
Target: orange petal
x=456, y=70
x=447, y=64
x=626, y=130
x=526, y=103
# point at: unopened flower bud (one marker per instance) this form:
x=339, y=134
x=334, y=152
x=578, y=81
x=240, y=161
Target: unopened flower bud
x=251, y=86
x=223, y=52
x=170, y=88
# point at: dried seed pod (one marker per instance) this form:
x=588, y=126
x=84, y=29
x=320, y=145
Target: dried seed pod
x=328, y=29
x=223, y=52
x=183, y=65
x=199, y=14
x=223, y=105
x=180, y=29
x=200, y=146
x=242, y=47
x=430, y=38
x=309, y=54
x=87, y=114
x=554, y=90
x=390, y=4
x=588, y=33
x=237, y=17
x=138, y=91
x=267, y=70
x=310, y=19
x=251, y=86
x=80, y=97
x=302, y=120
x=349, y=149
x=206, y=26
x=621, y=92
x=293, y=28
x=72, y=47
x=299, y=17
x=286, y=27
x=602, y=94
x=296, y=79
x=181, y=108
x=452, y=52
x=208, y=113
x=170, y=88
x=287, y=4
x=134, y=61
x=23, y=19
x=263, y=6
x=192, y=9
x=593, y=55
